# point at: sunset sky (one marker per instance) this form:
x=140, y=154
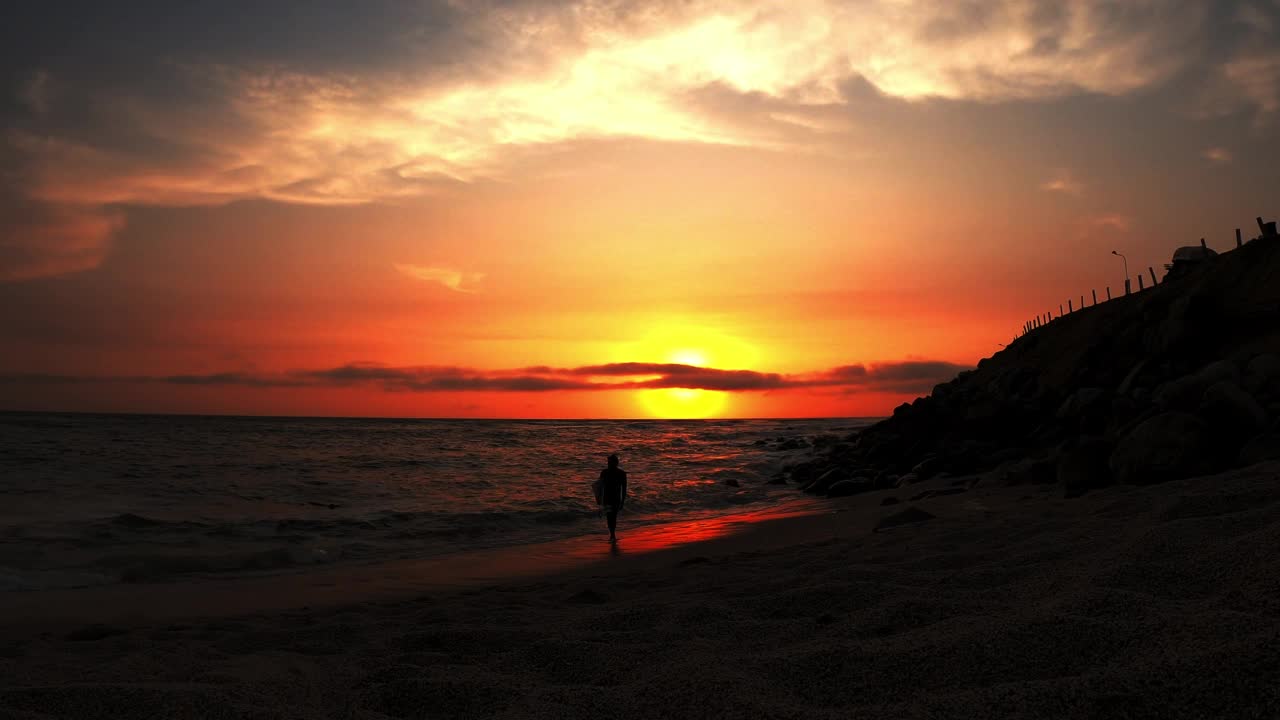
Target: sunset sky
x=596, y=208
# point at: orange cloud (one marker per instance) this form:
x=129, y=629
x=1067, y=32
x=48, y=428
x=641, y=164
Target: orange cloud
x=456, y=280
x=1063, y=182
x=42, y=240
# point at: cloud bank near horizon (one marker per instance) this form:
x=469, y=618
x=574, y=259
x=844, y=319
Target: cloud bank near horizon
x=906, y=377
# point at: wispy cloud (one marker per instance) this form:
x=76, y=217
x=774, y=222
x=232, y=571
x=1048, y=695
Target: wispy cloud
x=1256, y=76
x=1219, y=155
x=456, y=280
x=45, y=239
x=34, y=93
x=1063, y=182
x=1114, y=221
x=913, y=376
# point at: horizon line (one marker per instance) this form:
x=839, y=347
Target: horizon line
x=428, y=417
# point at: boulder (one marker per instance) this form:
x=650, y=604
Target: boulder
x=1027, y=471
x=1220, y=371
x=1232, y=410
x=905, y=480
x=1083, y=466
x=1263, y=373
x=1184, y=393
x=805, y=472
x=1131, y=378
x=844, y=488
x=926, y=468
x=1169, y=446
x=1081, y=402
x=1188, y=323
x=826, y=480
x=792, y=444
x=731, y=482
x=1261, y=448
x=1085, y=410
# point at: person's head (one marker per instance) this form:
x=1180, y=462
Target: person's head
x=613, y=461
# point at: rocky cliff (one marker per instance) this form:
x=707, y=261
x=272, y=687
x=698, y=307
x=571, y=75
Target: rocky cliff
x=1181, y=379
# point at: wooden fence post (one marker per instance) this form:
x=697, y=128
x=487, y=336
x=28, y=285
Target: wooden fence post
x=1059, y=309
x=1140, y=288
x=1108, y=292
x=1095, y=296
x=1239, y=242
x=1153, y=275
x=1068, y=306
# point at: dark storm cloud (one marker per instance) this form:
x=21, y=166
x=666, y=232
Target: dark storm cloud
x=912, y=376
x=904, y=377
x=100, y=38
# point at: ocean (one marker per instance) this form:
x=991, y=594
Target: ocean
x=102, y=499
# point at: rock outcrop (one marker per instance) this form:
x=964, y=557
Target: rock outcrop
x=1178, y=380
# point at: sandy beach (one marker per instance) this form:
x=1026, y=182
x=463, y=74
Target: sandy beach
x=1159, y=601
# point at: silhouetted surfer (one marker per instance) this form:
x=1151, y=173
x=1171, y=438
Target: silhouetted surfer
x=612, y=494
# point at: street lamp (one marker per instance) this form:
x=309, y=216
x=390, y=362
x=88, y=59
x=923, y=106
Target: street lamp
x=1126, y=270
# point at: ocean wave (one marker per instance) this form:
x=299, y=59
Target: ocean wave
x=153, y=498
x=18, y=580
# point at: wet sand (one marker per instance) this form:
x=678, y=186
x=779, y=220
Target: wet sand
x=1159, y=601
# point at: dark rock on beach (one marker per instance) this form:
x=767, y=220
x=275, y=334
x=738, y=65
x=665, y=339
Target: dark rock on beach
x=1261, y=448
x=1167, y=447
x=850, y=487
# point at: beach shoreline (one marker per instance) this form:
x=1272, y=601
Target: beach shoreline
x=333, y=586
x=1000, y=601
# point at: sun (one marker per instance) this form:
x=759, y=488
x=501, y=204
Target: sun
x=684, y=403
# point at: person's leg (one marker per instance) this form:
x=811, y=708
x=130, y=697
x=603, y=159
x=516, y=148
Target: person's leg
x=613, y=522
